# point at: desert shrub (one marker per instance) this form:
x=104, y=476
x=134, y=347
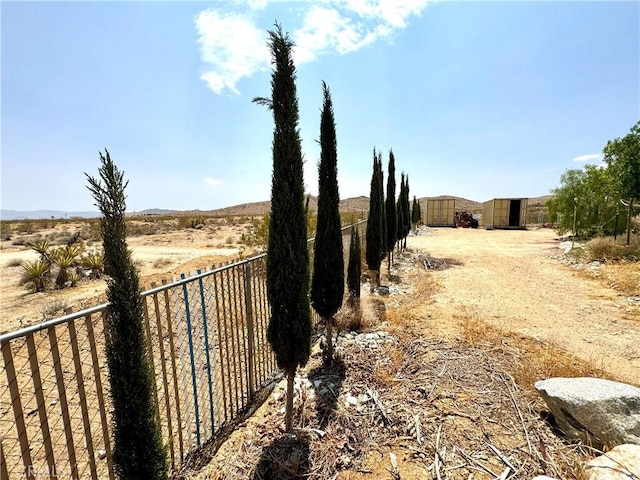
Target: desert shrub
x=5, y=231
x=54, y=308
x=161, y=262
x=606, y=249
x=14, y=262
x=187, y=222
x=257, y=233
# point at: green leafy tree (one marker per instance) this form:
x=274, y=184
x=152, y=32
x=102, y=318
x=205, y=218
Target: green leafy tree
x=374, y=245
x=622, y=156
x=290, y=327
x=138, y=452
x=590, y=194
x=390, y=209
x=327, y=285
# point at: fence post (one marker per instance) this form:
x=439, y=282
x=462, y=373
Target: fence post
x=191, y=356
x=42, y=409
x=249, y=310
x=4, y=472
x=17, y=409
x=205, y=328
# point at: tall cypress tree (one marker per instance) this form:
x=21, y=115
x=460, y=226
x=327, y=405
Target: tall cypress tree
x=390, y=209
x=383, y=227
x=138, y=452
x=415, y=213
x=400, y=212
x=327, y=285
x=354, y=269
x=289, y=330
x=407, y=210
x=374, y=224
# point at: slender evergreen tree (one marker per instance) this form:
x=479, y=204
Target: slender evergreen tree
x=390, y=209
x=327, y=285
x=415, y=213
x=383, y=223
x=374, y=246
x=406, y=214
x=289, y=330
x=354, y=268
x=138, y=452
x=400, y=212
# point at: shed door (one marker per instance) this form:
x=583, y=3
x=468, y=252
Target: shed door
x=514, y=213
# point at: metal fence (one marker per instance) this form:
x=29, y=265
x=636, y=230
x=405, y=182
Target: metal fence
x=207, y=341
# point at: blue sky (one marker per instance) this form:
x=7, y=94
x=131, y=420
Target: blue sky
x=477, y=99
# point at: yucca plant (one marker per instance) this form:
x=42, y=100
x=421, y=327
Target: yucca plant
x=41, y=247
x=94, y=261
x=65, y=258
x=36, y=274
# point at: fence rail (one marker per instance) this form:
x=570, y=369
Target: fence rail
x=206, y=335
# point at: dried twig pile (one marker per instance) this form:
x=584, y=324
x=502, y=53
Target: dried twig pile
x=425, y=408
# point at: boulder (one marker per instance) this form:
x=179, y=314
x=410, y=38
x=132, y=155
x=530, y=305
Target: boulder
x=597, y=411
x=619, y=463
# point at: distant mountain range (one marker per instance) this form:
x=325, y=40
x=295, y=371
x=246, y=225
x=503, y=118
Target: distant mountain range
x=39, y=214
x=355, y=204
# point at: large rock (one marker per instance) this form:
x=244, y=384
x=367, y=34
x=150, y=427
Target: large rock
x=619, y=463
x=599, y=412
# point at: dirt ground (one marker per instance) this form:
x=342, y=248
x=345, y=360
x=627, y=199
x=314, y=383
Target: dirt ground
x=509, y=279
x=158, y=257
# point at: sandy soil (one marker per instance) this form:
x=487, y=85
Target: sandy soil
x=157, y=257
x=510, y=281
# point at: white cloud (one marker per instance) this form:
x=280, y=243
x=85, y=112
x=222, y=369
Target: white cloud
x=589, y=157
x=233, y=47
x=213, y=181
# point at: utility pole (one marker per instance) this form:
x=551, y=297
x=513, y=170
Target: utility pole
x=575, y=211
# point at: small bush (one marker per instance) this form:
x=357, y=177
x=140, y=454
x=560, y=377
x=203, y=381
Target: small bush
x=161, y=262
x=605, y=249
x=54, y=308
x=14, y=262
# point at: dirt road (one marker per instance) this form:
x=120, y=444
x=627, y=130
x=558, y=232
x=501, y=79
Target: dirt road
x=510, y=281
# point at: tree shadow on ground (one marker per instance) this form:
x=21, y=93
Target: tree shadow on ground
x=287, y=458
x=327, y=382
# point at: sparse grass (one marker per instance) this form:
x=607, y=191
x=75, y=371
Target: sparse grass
x=161, y=262
x=54, y=308
x=624, y=277
x=533, y=360
x=608, y=250
x=474, y=330
x=14, y=262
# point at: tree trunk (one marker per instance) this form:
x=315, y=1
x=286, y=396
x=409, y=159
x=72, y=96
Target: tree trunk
x=389, y=261
x=629, y=222
x=288, y=416
x=329, y=355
